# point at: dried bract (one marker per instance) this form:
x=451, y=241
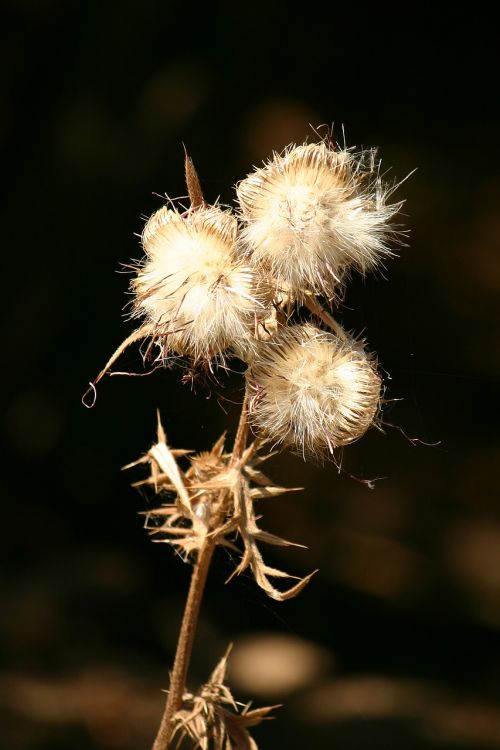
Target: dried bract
x=214, y=497
x=312, y=212
x=312, y=390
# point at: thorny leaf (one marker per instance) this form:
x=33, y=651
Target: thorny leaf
x=252, y=557
x=214, y=497
x=211, y=719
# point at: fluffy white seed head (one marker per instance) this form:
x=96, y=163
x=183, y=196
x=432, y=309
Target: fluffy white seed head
x=199, y=297
x=312, y=212
x=312, y=390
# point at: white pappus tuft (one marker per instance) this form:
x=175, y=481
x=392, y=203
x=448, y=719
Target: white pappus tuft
x=197, y=295
x=312, y=390
x=312, y=212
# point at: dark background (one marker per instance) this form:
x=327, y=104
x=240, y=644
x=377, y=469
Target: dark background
x=397, y=636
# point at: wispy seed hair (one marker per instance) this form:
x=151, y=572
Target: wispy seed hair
x=198, y=295
x=313, y=212
x=312, y=390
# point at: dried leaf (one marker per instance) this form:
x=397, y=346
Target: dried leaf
x=249, y=532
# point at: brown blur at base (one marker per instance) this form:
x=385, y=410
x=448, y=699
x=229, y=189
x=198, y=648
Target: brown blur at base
x=395, y=643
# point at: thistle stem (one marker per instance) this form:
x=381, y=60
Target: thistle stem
x=185, y=643
x=192, y=608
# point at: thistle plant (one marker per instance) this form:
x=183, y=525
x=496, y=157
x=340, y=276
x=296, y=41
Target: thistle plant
x=259, y=283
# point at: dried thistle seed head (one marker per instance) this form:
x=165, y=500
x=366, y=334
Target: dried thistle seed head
x=212, y=718
x=312, y=390
x=192, y=288
x=313, y=212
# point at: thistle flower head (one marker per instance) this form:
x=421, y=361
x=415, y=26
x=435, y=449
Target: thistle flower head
x=198, y=296
x=312, y=390
x=312, y=212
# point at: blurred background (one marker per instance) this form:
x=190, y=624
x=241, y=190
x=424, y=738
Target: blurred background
x=395, y=642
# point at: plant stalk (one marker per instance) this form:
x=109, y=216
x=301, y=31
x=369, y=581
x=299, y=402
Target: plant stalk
x=192, y=608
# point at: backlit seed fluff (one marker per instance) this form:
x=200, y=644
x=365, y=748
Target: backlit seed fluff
x=312, y=390
x=198, y=296
x=312, y=212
